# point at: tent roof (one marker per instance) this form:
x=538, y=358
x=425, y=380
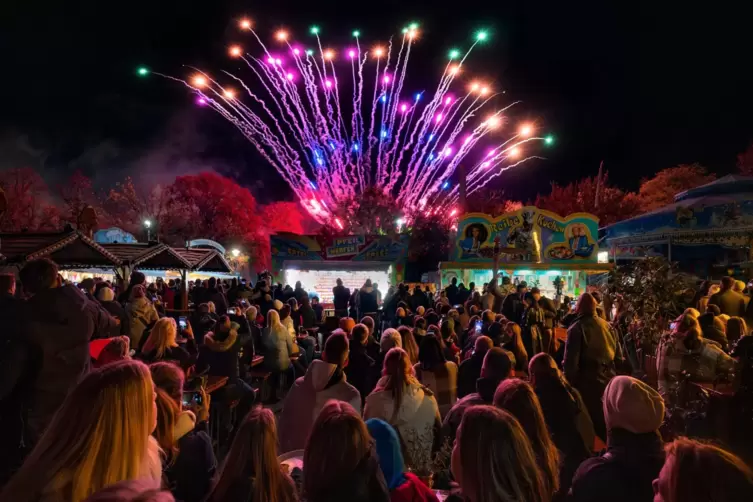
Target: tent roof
x=149, y=256
x=68, y=249
x=205, y=260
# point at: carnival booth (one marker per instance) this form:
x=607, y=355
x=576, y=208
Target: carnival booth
x=539, y=247
x=708, y=230
x=318, y=261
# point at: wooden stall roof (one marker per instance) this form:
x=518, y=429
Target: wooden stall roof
x=69, y=249
x=205, y=260
x=150, y=256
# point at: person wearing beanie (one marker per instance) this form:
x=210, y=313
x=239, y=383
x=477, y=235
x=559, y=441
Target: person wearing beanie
x=497, y=366
x=106, y=298
x=633, y=413
x=142, y=313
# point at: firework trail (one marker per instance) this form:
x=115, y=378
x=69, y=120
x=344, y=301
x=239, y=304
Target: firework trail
x=330, y=150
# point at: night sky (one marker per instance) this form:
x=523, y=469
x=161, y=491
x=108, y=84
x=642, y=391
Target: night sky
x=639, y=86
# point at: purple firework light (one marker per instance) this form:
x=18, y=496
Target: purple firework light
x=328, y=149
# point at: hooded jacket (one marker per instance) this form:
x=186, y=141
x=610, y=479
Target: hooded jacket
x=367, y=300
x=323, y=381
x=415, y=420
x=60, y=323
x=189, y=475
x=143, y=315
x=221, y=355
x=278, y=346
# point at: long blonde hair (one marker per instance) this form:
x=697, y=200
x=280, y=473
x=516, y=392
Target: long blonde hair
x=99, y=436
x=398, y=373
x=273, y=319
x=253, y=454
x=161, y=337
x=496, y=458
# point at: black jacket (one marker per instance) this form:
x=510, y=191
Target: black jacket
x=185, y=357
x=624, y=473
x=190, y=475
x=367, y=301
x=550, y=311
x=452, y=294
x=59, y=324
x=362, y=371
x=468, y=372
x=220, y=302
x=512, y=307
x=221, y=356
x=117, y=311
x=341, y=297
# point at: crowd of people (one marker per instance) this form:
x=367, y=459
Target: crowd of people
x=469, y=390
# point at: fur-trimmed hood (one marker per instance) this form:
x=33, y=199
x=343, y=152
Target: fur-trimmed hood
x=221, y=346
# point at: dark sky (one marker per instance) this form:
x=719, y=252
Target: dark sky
x=641, y=85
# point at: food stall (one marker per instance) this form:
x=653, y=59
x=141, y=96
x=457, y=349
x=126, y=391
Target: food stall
x=318, y=261
x=554, y=253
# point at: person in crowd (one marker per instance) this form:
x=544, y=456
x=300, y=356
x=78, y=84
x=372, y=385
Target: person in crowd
x=703, y=291
x=403, y=402
x=451, y=291
x=299, y=292
x=142, y=313
x=408, y=343
x=699, y=472
x=340, y=460
x=308, y=315
x=88, y=287
x=362, y=371
x=487, y=433
x=512, y=340
x=518, y=398
x=168, y=294
x=436, y=373
x=403, y=485
x=216, y=296
x=418, y=299
x=161, y=345
x=347, y=324
x=137, y=279
x=449, y=340
x=372, y=346
x=367, y=299
x=737, y=330
x=278, y=348
x=513, y=306
x=592, y=354
x=533, y=319
x=287, y=320
x=117, y=349
x=713, y=309
x=724, y=318
x=419, y=331
x=728, y=300
x=251, y=470
x=470, y=370
x=324, y=380
x=686, y=352
x=219, y=356
x=443, y=299
x=565, y=415
x=633, y=412
x=462, y=294
x=106, y=298
x=58, y=323
x=550, y=317
x=133, y=490
x=496, y=368
x=352, y=304
x=712, y=328
x=188, y=458
x=100, y=435
x=694, y=313
x=318, y=309
x=389, y=340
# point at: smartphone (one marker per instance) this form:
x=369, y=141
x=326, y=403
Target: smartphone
x=182, y=322
x=673, y=326
x=232, y=310
x=479, y=324
x=192, y=398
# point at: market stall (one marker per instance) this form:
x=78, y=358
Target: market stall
x=539, y=247
x=317, y=261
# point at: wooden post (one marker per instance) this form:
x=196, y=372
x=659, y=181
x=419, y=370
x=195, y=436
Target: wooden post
x=184, y=288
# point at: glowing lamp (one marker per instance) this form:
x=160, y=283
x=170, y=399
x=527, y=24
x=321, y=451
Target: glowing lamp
x=399, y=222
x=142, y=71
x=235, y=51
x=199, y=81
x=245, y=24
x=282, y=35
x=235, y=252
x=229, y=94
x=526, y=130
x=148, y=223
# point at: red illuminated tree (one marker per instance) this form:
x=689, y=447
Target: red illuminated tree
x=283, y=217
x=76, y=193
x=28, y=204
x=493, y=202
x=127, y=207
x=660, y=190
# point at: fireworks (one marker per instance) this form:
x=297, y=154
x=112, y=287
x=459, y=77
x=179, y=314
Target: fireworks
x=336, y=121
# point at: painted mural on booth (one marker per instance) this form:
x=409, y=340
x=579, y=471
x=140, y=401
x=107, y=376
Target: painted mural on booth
x=347, y=248
x=527, y=235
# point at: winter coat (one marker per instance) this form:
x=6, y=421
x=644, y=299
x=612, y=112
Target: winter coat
x=341, y=297
x=185, y=357
x=323, y=381
x=143, y=316
x=189, y=474
x=730, y=302
x=452, y=294
x=362, y=370
x=417, y=421
x=468, y=372
x=278, y=346
x=367, y=301
x=624, y=473
x=59, y=324
x=221, y=356
x=117, y=311
x=512, y=307
x=592, y=353
x=550, y=312
x=443, y=385
x=308, y=316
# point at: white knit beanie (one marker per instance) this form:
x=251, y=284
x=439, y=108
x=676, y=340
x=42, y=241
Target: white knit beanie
x=632, y=405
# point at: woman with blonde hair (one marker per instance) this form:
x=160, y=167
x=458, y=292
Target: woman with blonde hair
x=400, y=400
x=100, y=435
x=162, y=345
x=493, y=460
x=409, y=343
x=340, y=461
x=512, y=340
x=251, y=470
x=518, y=398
